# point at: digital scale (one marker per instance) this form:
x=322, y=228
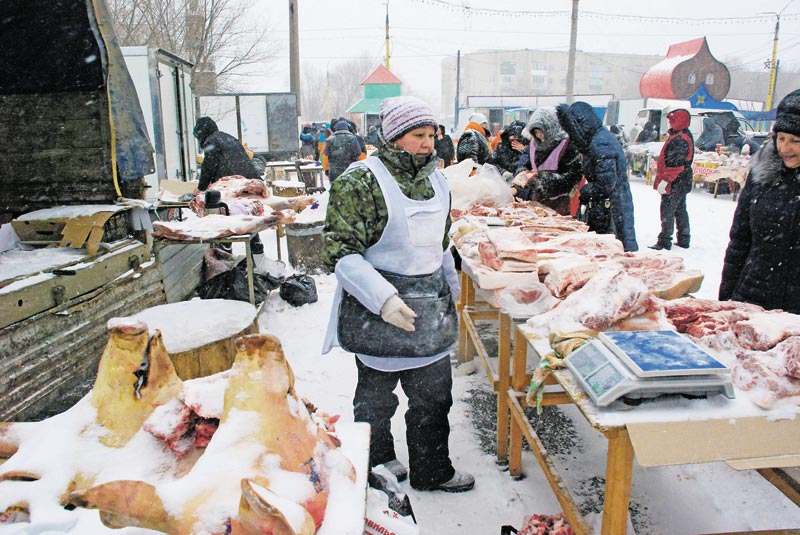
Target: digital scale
x=637, y=365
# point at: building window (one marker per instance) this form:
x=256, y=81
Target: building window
x=692, y=78
x=508, y=68
x=538, y=80
x=539, y=66
x=710, y=78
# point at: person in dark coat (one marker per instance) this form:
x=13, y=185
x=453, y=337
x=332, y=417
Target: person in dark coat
x=762, y=262
x=509, y=150
x=444, y=146
x=372, y=136
x=674, y=180
x=710, y=137
x=223, y=155
x=556, y=162
x=473, y=144
x=648, y=134
x=307, y=142
x=342, y=149
x=604, y=167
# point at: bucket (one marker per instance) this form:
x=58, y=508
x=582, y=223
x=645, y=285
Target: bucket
x=287, y=188
x=304, y=244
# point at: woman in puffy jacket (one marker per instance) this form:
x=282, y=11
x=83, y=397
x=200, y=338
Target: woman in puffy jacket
x=554, y=161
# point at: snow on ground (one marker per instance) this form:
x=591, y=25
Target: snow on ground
x=665, y=500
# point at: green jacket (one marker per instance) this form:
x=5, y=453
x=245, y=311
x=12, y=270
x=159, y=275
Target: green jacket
x=357, y=212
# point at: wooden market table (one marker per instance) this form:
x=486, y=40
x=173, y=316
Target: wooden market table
x=471, y=309
x=627, y=433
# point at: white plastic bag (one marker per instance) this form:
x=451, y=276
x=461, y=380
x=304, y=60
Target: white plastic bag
x=486, y=187
x=525, y=300
x=388, y=507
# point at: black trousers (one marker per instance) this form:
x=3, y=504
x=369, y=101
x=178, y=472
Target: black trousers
x=427, y=427
x=674, y=214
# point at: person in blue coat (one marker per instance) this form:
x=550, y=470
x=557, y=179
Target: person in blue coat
x=604, y=167
x=710, y=137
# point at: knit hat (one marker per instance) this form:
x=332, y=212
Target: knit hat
x=400, y=115
x=341, y=126
x=787, y=118
x=478, y=118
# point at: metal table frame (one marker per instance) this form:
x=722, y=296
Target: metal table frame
x=241, y=238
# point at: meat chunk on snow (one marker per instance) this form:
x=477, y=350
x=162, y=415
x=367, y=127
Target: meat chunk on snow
x=764, y=330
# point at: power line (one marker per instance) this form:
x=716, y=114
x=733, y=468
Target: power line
x=469, y=10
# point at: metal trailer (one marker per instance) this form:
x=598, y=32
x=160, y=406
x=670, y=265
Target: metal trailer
x=265, y=122
x=163, y=83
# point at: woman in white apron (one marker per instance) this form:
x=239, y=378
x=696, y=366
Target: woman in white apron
x=386, y=239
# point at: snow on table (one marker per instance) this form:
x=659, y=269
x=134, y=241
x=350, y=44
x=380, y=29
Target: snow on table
x=17, y=262
x=70, y=212
x=187, y=325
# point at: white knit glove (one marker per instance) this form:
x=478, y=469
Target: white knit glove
x=662, y=187
x=396, y=312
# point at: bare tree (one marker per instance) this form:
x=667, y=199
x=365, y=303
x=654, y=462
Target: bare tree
x=333, y=91
x=219, y=37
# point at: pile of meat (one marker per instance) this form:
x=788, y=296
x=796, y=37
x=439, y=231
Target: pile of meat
x=546, y=525
x=763, y=345
x=242, y=196
x=561, y=251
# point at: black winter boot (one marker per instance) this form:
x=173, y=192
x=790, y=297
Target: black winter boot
x=683, y=244
x=660, y=246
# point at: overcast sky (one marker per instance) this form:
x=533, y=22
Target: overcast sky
x=424, y=32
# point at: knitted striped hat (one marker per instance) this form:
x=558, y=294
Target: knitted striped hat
x=400, y=115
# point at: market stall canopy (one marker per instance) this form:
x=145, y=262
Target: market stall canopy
x=687, y=66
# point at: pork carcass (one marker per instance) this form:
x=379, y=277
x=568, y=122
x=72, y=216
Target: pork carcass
x=512, y=244
x=609, y=296
x=268, y=453
x=218, y=226
x=490, y=257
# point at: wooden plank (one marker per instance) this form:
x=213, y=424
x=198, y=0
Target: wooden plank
x=30, y=300
x=51, y=353
x=787, y=480
x=182, y=269
x=548, y=466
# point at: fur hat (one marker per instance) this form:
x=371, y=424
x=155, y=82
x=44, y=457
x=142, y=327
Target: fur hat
x=787, y=118
x=400, y=115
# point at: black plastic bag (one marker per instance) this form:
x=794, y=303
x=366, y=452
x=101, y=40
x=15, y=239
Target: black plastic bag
x=232, y=284
x=298, y=290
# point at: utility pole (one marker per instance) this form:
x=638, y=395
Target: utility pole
x=294, y=53
x=773, y=64
x=573, y=40
x=458, y=88
x=386, y=60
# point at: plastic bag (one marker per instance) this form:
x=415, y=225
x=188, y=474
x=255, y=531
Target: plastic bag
x=232, y=284
x=298, y=290
x=486, y=187
x=388, y=507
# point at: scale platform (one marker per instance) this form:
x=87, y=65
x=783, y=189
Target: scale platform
x=638, y=365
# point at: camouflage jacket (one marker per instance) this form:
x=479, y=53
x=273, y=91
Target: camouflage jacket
x=357, y=212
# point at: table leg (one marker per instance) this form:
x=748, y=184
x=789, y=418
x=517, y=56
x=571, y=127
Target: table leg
x=278, y=240
x=249, y=260
x=503, y=384
x=465, y=349
x=619, y=470
x=518, y=385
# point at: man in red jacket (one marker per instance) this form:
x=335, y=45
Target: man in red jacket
x=674, y=180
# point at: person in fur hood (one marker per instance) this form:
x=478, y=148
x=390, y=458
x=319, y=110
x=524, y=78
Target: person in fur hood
x=762, y=262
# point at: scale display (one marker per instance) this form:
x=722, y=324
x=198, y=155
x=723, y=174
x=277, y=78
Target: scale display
x=606, y=377
x=661, y=353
